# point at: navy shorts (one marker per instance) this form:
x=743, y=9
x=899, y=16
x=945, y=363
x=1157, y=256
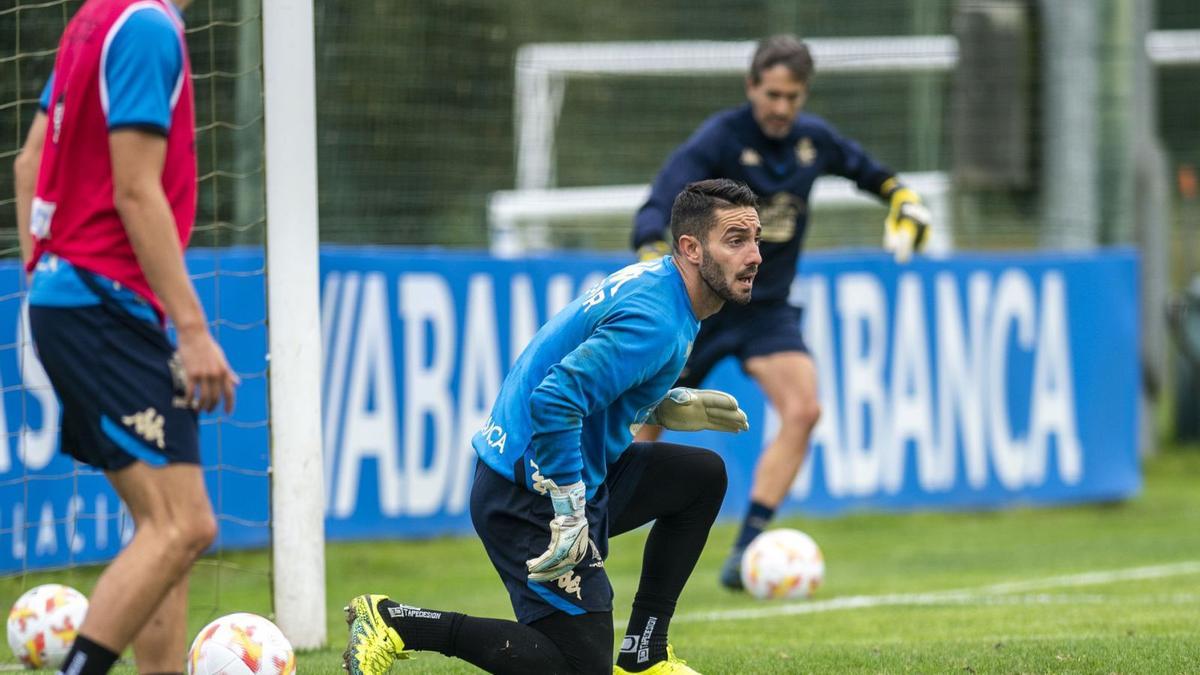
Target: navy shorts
x=122, y=390
x=514, y=525
x=744, y=331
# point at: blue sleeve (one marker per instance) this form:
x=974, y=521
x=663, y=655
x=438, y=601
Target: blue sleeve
x=141, y=69
x=626, y=349
x=694, y=160
x=847, y=159
x=44, y=99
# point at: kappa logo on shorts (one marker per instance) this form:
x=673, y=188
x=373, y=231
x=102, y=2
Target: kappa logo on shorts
x=571, y=584
x=148, y=424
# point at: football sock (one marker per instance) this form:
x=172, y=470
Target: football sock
x=87, y=658
x=680, y=489
x=756, y=521
x=421, y=629
x=645, y=641
x=495, y=645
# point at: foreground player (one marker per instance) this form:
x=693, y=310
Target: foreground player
x=779, y=152
x=103, y=235
x=556, y=465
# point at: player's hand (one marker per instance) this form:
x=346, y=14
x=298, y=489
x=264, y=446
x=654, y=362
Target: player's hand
x=686, y=409
x=907, y=224
x=568, y=533
x=653, y=250
x=209, y=377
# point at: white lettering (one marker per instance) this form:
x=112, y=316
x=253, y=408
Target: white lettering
x=861, y=307
x=125, y=525
x=494, y=435
x=426, y=303
x=912, y=405
x=75, y=542
x=960, y=374
x=47, y=536
x=370, y=417
x=827, y=435
x=18, y=530
x=559, y=293
x=1013, y=306
x=5, y=446
x=1052, y=405
x=101, y=521
x=36, y=447
x=478, y=383
x=339, y=300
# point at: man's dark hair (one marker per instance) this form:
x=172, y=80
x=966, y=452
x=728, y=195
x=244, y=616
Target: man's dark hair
x=695, y=209
x=784, y=50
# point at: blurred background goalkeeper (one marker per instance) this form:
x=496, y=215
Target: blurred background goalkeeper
x=779, y=151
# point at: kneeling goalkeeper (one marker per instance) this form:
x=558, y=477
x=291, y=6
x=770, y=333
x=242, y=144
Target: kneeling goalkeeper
x=557, y=474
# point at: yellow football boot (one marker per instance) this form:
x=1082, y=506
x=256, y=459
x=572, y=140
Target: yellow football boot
x=373, y=644
x=672, y=666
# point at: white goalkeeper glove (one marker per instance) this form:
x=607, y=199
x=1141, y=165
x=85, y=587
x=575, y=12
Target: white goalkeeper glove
x=686, y=409
x=568, y=533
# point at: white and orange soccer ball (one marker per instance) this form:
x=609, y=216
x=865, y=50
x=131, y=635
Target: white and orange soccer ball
x=782, y=563
x=43, y=622
x=241, y=644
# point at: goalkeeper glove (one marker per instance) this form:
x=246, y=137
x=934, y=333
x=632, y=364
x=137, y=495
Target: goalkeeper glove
x=907, y=225
x=686, y=409
x=568, y=533
x=653, y=250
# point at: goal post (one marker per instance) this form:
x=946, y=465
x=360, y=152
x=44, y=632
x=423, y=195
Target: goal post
x=297, y=481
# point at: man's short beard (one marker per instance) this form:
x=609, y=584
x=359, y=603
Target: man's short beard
x=712, y=275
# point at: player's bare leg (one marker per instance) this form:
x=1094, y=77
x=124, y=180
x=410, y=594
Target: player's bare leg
x=789, y=381
x=175, y=524
x=161, y=646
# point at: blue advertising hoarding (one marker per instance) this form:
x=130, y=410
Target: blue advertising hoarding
x=978, y=381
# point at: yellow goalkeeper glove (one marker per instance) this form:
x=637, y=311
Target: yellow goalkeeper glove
x=653, y=250
x=907, y=225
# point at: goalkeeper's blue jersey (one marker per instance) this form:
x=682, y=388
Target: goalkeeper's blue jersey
x=590, y=377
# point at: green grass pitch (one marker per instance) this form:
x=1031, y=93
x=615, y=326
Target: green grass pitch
x=1098, y=588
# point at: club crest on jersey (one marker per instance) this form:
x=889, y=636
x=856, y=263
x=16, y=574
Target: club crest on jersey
x=806, y=153
x=778, y=217
x=750, y=157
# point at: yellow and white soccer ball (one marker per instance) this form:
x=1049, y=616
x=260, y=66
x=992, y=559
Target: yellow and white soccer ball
x=782, y=563
x=43, y=623
x=241, y=644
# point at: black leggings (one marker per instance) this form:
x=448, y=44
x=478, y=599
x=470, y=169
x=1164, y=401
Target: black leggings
x=680, y=489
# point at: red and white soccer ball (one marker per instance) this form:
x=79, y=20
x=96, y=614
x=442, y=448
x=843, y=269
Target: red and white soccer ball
x=782, y=563
x=241, y=644
x=43, y=622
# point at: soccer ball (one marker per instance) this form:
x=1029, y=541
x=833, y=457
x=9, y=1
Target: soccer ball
x=43, y=622
x=782, y=564
x=241, y=644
